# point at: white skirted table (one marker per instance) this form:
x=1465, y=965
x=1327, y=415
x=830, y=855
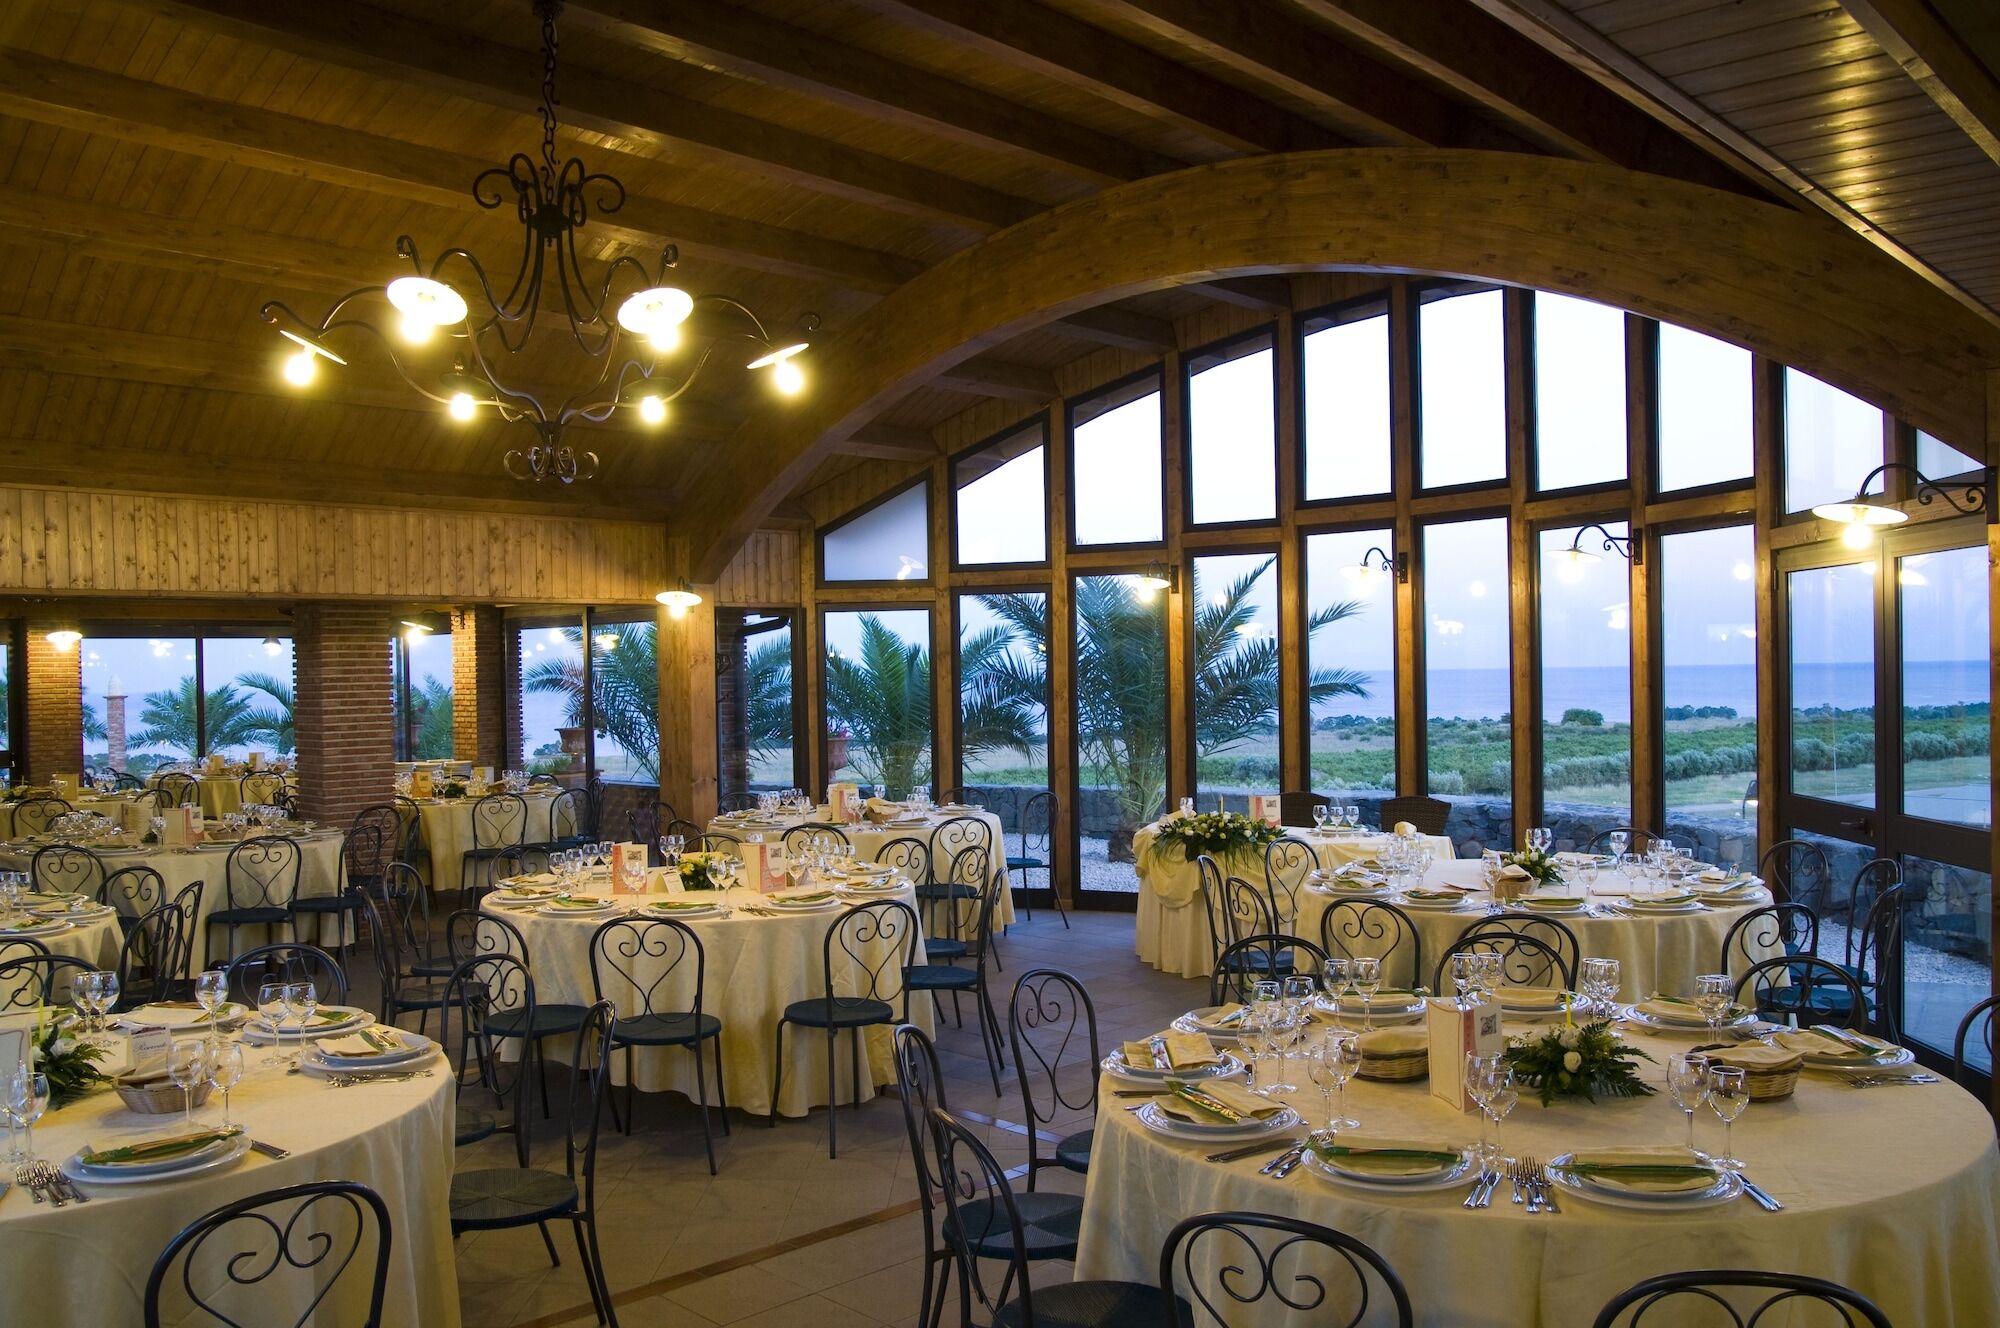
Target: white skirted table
x=123, y=808
x=1891, y=1192
x=88, y=1263
x=756, y=966
x=93, y=937
x=447, y=831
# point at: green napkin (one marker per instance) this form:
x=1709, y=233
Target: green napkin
x=154, y=1150
x=1387, y=1157
x=815, y=897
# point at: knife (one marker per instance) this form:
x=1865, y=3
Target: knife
x=1758, y=1193
x=1158, y=1046
x=1268, y=1146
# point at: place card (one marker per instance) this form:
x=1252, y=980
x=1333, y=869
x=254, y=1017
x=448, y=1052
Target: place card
x=845, y=801
x=1265, y=807
x=421, y=784
x=634, y=857
x=146, y=1053
x=763, y=866
x=255, y=760
x=1454, y=1034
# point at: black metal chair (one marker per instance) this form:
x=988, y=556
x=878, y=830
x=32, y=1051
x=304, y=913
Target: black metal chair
x=491, y=935
x=34, y=816
x=373, y=842
x=260, y=788
x=497, y=1198
x=1370, y=928
x=149, y=958
x=286, y=963
x=20, y=947
x=409, y=828
x=641, y=956
x=1253, y=959
x=260, y=881
x=1238, y=908
x=970, y=865
x=1036, y=853
x=1286, y=864
x=1048, y=1017
x=1790, y=928
x=499, y=823
x=955, y=834
x=126, y=782
x=1551, y=932
x=39, y=979
x=1525, y=961
x=716, y=842
x=403, y=992
x=984, y=1218
x=1636, y=839
x=1980, y=1015
x=962, y=796
x=1259, y=1257
x=1805, y=989
x=188, y=904
x=1295, y=806
x=308, y=1235
x=879, y=943
x=65, y=869
x=816, y=837
x=910, y=857
x=181, y=788
x=134, y=892
x=1704, y=1288
x=572, y=819
x=1797, y=872
x=1428, y=815
x=364, y=859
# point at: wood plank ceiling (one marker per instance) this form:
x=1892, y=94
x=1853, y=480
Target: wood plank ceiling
x=168, y=165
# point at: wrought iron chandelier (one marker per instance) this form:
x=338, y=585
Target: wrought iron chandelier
x=644, y=359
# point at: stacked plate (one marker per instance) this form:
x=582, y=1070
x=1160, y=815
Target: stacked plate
x=34, y=926
x=157, y=1159
x=684, y=908
x=1384, y=1007
x=1553, y=903
x=1683, y=1016
x=1153, y=1117
x=371, y=1048
x=1213, y=1021
x=1665, y=901
x=578, y=906
x=177, y=1016
x=1644, y=1179
x=1532, y=1002
x=1434, y=901
x=1225, y=1066
x=1358, y=883
x=327, y=1021
x=1389, y=1165
x=811, y=901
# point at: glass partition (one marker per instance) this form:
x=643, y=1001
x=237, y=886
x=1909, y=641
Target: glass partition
x=1351, y=656
x=423, y=698
x=1579, y=392
x=1001, y=496
x=1344, y=372
x=1121, y=724
x=755, y=701
x=1708, y=657
x=1003, y=697
x=146, y=690
x=887, y=542
x=1235, y=599
x=249, y=683
x=1462, y=388
x=1586, y=658
x=1705, y=410
x=1832, y=643
x=1116, y=492
x=1947, y=688
x=552, y=699
x=1939, y=460
x=625, y=699
x=1832, y=439
x=878, y=698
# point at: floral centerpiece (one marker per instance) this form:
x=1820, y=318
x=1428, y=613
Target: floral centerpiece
x=697, y=871
x=1585, y=1061
x=452, y=789
x=1214, y=833
x=69, y=1062
x=1538, y=863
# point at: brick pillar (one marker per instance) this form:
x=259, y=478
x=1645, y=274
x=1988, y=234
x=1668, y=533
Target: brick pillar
x=479, y=687
x=343, y=711
x=54, y=743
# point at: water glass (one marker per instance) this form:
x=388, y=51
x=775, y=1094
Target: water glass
x=1481, y=1080
x=1330, y=1065
x=225, y=1071
x=27, y=1099
x=1599, y=982
x=211, y=989
x=104, y=995
x=1353, y=813
x=1319, y=817
x=1618, y=839
x=1713, y=993
x=271, y=1014
x=1366, y=975
x=1334, y=972
x=1299, y=989
x=1187, y=806
x=1728, y=1095
x=1490, y=974
x=1265, y=1012
x=1465, y=976
x=187, y=1066
x=1687, y=1080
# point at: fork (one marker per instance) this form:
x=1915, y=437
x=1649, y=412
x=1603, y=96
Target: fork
x=45, y=1180
x=58, y=1183
x=24, y=1176
x=1885, y=1080
x=1547, y=1188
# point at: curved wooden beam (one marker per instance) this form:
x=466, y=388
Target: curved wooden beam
x=1782, y=283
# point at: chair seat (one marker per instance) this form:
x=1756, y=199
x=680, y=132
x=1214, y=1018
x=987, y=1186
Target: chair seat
x=841, y=1012
x=1073, y=1152
x=431, y=968
x=245, y=917
x=472, y=1125
x=1025, y=864
x=1099, y=1305
x=548, y=1019
x=666, y=1030
x=1257, y=961
x=1050, y=1224
x=508, y=1197
x=944, y=947
x=343, y=903
x=935, y=893
x=418, y=996
x=940, y=977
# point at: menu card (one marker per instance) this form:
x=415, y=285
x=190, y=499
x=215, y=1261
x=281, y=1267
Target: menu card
x=844, y=800
x=1454, y=1034
x=255, y=760
x=213, y=765
x=623, y=855
x=421, y=784
x=180, y=827
x=763, y=866
x=1264, y=807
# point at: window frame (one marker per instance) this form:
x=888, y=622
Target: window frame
x=957, y=595
x=1039, y=421
x=921, y=479
x=927, y=607
x=1262, y=337
x=1191, y=666
x=1304, y=324
x=1537, y=654
x=1420, y=624
x=1656, y=673
x=1650, y=384
x=1531, y=406
x=1429, y=292
x=1123, y=388
x=1301, y=693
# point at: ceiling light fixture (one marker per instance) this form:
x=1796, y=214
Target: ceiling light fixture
x=273, y=646
x=1865, y=511
x=623, y=324
x=679, y=600
x=63, y=639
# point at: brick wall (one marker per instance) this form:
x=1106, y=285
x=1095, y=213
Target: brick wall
x=479, y=688
x=343, y=709
x=54, y=740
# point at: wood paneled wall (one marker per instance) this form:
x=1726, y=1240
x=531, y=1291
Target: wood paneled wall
x=71, y=542
x=766, y=571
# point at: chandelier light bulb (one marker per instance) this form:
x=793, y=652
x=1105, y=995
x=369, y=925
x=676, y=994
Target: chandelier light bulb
x=299, y=368
x=422, y=300
x=1858, y=536
x=656, y=312
x=415, y=330
x=462, y=406
x=652, y=410
x=788, y=377
x=665, y=340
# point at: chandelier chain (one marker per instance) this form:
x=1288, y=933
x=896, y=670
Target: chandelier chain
x=548, y=13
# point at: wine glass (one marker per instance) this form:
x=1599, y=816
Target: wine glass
x=225, y=1071
x=1480, y=1080
x=187, y=1065
x=1502, y=1096
x=27, y=1099
x=1687, y=1080
x=1353, y=815
x=1366, y=974
x=1630, y=866
x=1728, y=1094
x=104, y=995
x=1592, y=983
x=1464, y=975
x=1490, y=974
x=1335, y=973
x=1319, y=818
x=1277, y=1011
x=271, y=1014
x=1330, y=1066
x=1618, y=839
x=211, y=989
x=1712, y=996
x=1299, y=989
x=1262, y=1021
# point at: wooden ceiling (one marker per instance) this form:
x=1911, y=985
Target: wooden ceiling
x=169, y=165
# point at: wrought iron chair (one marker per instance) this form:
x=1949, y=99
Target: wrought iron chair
x=1979, y=1016
x=720, y=843
x=1236, y=975
x=286, y=963
x=961, y=795
x=34, y=816
x=406, y=905
x=1295, y=806
x=410, y=828
x=572, y=819
x=1049, y=1016
x=260, y=788
x=373, y=842
x=1262, y=1257
x=1704, y=1288
x=496, y=1198
x=1242, y=909
x=260, y=881
x=188, y=904
x=984, y=1218
x=879, y=942
x=309, y=1234
x=181, y=788
x=1525, y=961
x=910, y=857
x=641, y=957
x=149, y=958
x=491, y=935
x=499, y=823
x=364, y=860
x=126, y=782
x=816, y=837
x=1034, y=833
x=1797, y=872
x=1791, y=928
x=1427, y=814
x=20, y=947
x=39, y=979
x=955, y=834
x=1551, y=932
x=1369, y=928
x=1805, y=989
x=1286, y=863
x=66, y=869
x=134, y=892
x=970, y=865
x=402, y=990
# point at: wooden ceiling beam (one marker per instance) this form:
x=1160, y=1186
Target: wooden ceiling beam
x=1264, y=294
x=813, y=64
x=1031, y=36
x=1121, y=328
x=1913, y=35
x=985, y=376
x=884, y=442
x=77, y=97
x=426, y=53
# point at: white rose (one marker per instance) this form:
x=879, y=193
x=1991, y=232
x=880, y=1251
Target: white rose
x=63, y=1046
x=1572, y=1061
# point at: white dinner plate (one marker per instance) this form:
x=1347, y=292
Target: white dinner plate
x=1557, y=905
x=694, y=909
x=1640, y=904
x=1695, y=1024
x=192, y=1164
x=173, y=1017
x=796, y=906
x=1227, y=1068
x=88, y=914
x=1198, y=1021
x=1902, y=1056
x=865, y=869
x=320, y=1070
x=46, y=928
x=1463, y=904
x=575, y=910
x=1159, y=1122
x=1443, y=1178
x=350, y=1018
x=1726, y=1188
x=415, y=1048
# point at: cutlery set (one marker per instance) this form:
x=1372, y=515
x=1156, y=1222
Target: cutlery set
x=350, y=1080
x=47, y=1185
x=1887, y=1080
x=1532, y=1189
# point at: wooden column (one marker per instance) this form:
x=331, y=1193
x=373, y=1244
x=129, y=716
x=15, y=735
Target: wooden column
x=1181, y=781
x=1993, y=654
x=944, y=640
x=1767, y=387
x=687, y=708
x=53, y=743
x=1067, y=868
x=1411, y=775
x=1294, y=649
x=1524, y=578
x=343, y=711
x=479, y=687
x=1643, y=616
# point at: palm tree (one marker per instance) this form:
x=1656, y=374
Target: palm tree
x=884, y=699
x=625, y=688
x=273, y=725
x=1236, y=678
x=431, y=702
x=767, y=684
x=171, y=722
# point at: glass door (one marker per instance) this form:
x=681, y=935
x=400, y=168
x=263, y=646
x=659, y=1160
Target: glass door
x=1120, y=695
x=756, y=706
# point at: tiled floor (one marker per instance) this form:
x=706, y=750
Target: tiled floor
x=784, y=1236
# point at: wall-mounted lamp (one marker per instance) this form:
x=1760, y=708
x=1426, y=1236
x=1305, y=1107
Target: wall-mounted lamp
x=1632, y=547
x=1375, y=562
x=63, y=639
x=679, y=600
x=415, y=632
x=1865, y=510
x=273, y=646
x=1156, y=577
x=606, y=641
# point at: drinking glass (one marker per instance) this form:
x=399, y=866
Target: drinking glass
x=27, y=1099
x=1187, y=806
x=1319, y=818
x=667, y=854
x=1502, y=1096
x=187, y=1065
x=271, y=1014
x=211, y=989
x=1728, y=1094
x=1333, y=1064
x=1490, y=974
x=1335, y=972
x=1464, y=976
x=1353, y=813
x=1366, y=974
x=1618, y=839
x=1481, y=1076
x=1712, y=996
x=1264, y=1015
x=301, y=999
x=1591, y=983
x=1687, y=1080
x=103, y=997
x=225, y=1071
x=1299, y=989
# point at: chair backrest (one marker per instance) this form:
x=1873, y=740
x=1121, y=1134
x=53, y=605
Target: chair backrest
x=1038, y=818
x=572, y=814
x=18, y=947
x=920, y=1084
x=306, y=1237
x=1052, y=1031
x=409, y=826
x=1787, y=928
x=39, y=979
x=149, y=960
x=1525, y=961
x=134, y=891
x=158, y=798
x=1369, y=928
x=1551, y=932
x=1874, y=914
x=1699, y=1292
x=1636, y=839
x=482, y=992
x=181, y=788
x=499, y=820
x=590, y=1074
x=1978, y=1020
x=955, y=834
x=260, y=788
x=188, y=903
x=65, y=869
x=911, y=858
x=33, y=816
x=1286, y=862
x=263, y=872
x=1295, y=806
x=1210, y=874
x=979, y=1204
x=866, y=950
x=1247, y=909
x=1805, y=989
x=716, y=842
x=816, y=837
x=634, y=963
x=1797, y=872
x=125, y=781
x=1427, y=814
x=373, y=841
x=963, y=796
x=687, y=830
x=469, y=933
x=1244, y=963
x=1313, y=1274
x=286, y=962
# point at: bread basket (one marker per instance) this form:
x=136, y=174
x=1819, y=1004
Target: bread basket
x=158, y=1095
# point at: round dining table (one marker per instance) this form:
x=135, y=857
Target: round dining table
x=87, y=1263
x=124, y=808
x=1891, y=1191
x=218, y=795
x=94, y=937
x=758, y=962
x=448, y=833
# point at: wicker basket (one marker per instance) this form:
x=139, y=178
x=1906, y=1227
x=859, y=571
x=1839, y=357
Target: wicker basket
x=1767, y=1085
x=158, y=1096
x=1395, y=1069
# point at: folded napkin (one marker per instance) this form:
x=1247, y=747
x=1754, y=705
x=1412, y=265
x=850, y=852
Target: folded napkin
x=1404, y=828
x=1387, y=1157
x=580, y=903
x=803, y=897
x=1680, y=1010
x=535, y=878
x=1757, y=1057
x=154, y=1150
x=1532, y=998
x=1226, y=1016
x=681, y=905
x=1843, y=1044
x=1396, y=996
x=1555, y=902
x=1660, y=898
x=1662, y=1170
x=1409, y=1040
x=1439, y=895
x=1217, y=1102
x=1514, y=873
x=377, y=1041
x=1183, y=1051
